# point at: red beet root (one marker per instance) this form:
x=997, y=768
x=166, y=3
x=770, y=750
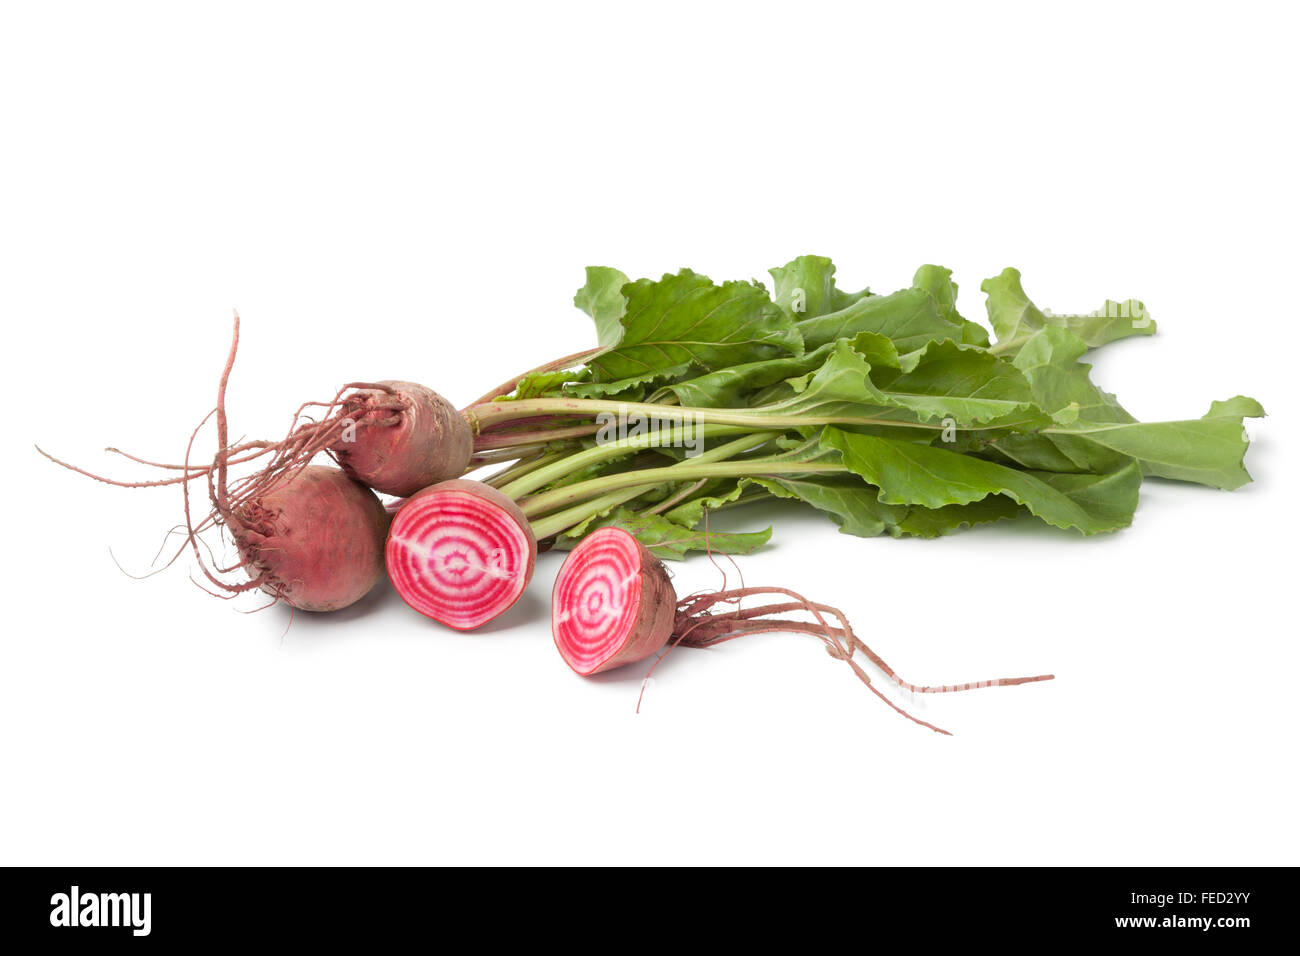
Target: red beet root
x=314, y=539
x=406, y=437
x=461, y=553
x=309, y=535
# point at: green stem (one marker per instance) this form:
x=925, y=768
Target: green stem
x=689, y=470
x=499, y=455
x=742, y=500
x=523, y=467
x=674, y=438
x=544, y=528
x=493, y=413
x=498, y=440
x=746, y=498
x=676, y=499
x=617, y=493
x=564, y=520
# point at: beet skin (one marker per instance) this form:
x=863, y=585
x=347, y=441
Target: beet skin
x=399, y=451
x=315, y=539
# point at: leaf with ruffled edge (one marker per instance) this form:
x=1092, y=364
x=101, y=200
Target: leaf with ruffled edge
x=1015, y=318
x=1210, y=450
x=937, y=281
x=910, y=318
x=685, y=319
x=946, y=383
x=805, y=288
x=602, y=298
x=911, y=474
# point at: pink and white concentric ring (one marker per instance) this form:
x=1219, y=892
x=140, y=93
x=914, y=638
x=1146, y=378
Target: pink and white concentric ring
x=597, y=599
x=460, y=552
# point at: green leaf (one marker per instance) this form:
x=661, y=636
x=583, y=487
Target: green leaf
x=631, y=389
x=541, y=384
x=910, y=318
x=946, y=382
x=1101, y=435
x=911, y=474
x=805, y=288
x=1050, y=362
x=685, y=319
x=937, y=281
x=715, y=494
x=569, y=538
x=669, y=540
x=879, y=351
x=731, y=387
x=1209, y=450
x=1033, y=432
x=1110, y=498
x=968, y=385
x=842, y=384
x=852, y=505
x=855, y=506
x=739, y=385
x=1035, y=452
x=602, y=298
x=934, y=522
x=1237, y=407
x=1014, y=317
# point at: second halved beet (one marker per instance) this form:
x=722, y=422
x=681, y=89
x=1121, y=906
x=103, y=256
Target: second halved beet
x=460, y=552
x=612, y=605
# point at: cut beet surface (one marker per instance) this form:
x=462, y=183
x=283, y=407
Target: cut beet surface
x=461, y=553
x=612, y=605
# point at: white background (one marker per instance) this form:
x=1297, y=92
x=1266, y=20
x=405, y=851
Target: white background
x=413, y=192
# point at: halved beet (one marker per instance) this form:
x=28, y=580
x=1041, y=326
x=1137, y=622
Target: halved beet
x=613, y=603
x=460, y=552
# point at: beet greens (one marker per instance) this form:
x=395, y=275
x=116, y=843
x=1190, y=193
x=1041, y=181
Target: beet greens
x=891, y=413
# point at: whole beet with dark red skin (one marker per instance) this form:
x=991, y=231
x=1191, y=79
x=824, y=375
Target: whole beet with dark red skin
x=315, y=539
x=406, y=439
